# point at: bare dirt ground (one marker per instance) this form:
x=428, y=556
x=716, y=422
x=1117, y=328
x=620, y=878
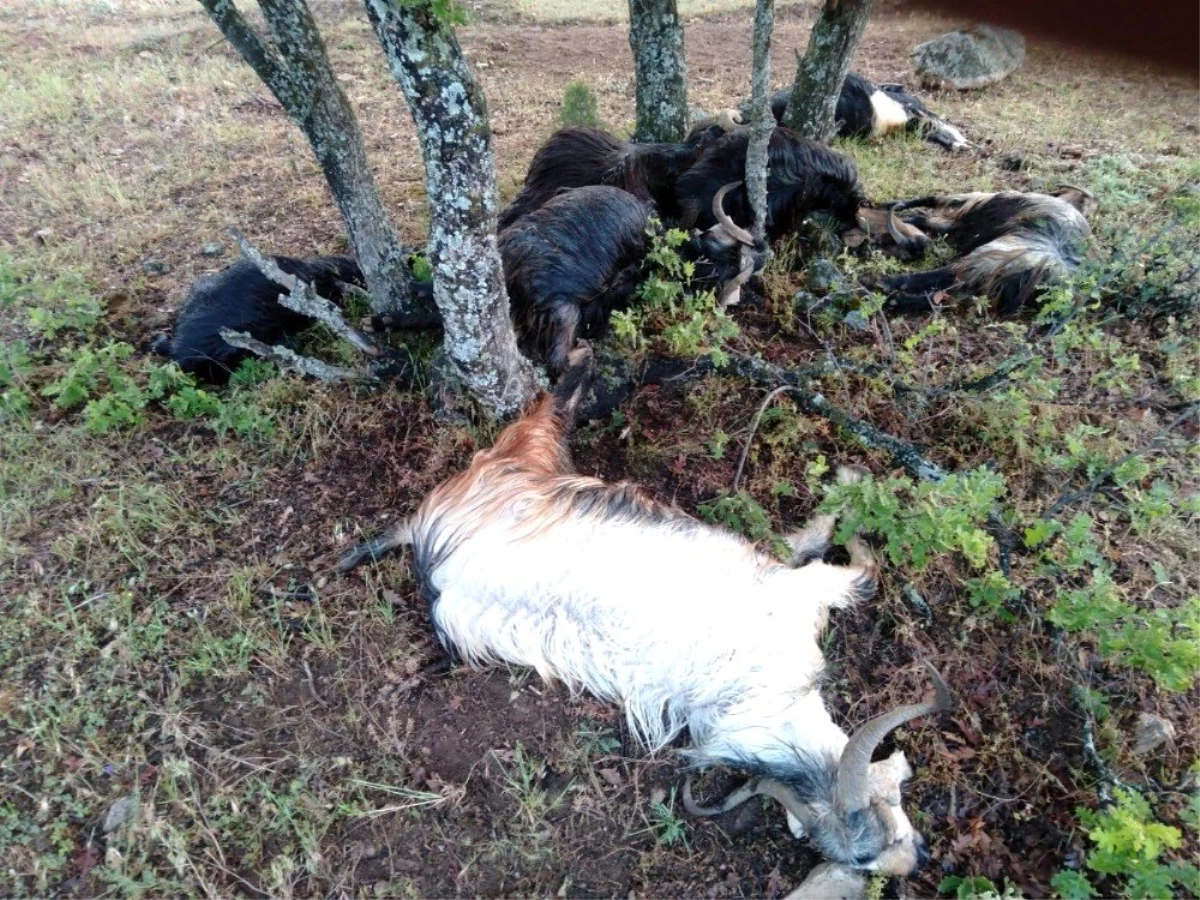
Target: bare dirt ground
x=191, y=703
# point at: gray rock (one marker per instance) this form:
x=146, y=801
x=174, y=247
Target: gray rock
x=856, y=321
x=119, y=813
x=155, y=267
x=1152, y=732
x=823, y=276
x=212, y=249
x=969, y=59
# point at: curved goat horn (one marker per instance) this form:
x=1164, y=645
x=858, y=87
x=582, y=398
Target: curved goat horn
x=755, y=787
x=853, y=790
x=1074, y=187
x=904, y=242
x=735, y=231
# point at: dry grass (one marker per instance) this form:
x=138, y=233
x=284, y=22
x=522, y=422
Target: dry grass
x=173, y=635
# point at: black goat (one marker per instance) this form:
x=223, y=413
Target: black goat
x=804, y=177
x=1011, y=244
x=569, y=264
x=864, y=110
x=242, y=298
x=580, y=157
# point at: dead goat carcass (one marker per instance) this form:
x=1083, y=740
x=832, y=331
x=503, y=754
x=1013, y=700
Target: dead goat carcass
x=1011, y=244
x=803, y=177
x=525, y=561
x=569, y=264
x=580, y=157
x=864, y=110
x=242, y=298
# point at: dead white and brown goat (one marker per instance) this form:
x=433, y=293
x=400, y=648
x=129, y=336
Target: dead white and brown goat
x=525, y=561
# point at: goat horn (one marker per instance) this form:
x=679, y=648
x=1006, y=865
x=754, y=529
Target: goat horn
x=735, y=231
x=909, y=244
x=1075, y=187
x=853, y=790
x=755, y=787
x=730, y=293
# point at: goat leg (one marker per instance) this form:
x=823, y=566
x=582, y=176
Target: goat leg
x=574, y=383
x=915, y=293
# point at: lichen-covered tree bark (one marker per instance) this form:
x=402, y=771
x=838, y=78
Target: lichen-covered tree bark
x=294, y=66
x=450, y=113
x=656, y=38
x=822, y=70
x=762, y=122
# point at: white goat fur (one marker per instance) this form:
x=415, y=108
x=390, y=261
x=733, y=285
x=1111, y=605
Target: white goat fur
x=603, y=589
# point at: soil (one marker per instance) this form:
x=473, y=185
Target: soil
x=532, y=802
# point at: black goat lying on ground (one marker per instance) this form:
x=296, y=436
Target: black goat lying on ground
x=864, y=110
x=242, y=298
x=571, y=263
x=804, y=177
x=1011, y=244
x=581, y=157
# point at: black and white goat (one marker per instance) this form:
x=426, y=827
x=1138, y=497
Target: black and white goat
x=1011, y=244
x=864, y=110
x=525, y=561
x=580, y=157
x=242, y=298
x=803, y=177
x=571, y=263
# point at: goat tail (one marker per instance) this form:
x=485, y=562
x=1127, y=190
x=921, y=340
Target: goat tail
x=399, y=535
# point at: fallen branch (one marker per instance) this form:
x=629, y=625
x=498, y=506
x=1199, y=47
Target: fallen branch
x=903, y=453
x=292, y=361
x=1092, y=486
x=302, y=298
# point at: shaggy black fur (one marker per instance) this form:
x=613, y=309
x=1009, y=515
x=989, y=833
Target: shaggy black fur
x=1042, y=236
x=242, y=298
x=805, y=177
x=569, y=264
x=856, y=117
x=579, y=157
x=967, y=227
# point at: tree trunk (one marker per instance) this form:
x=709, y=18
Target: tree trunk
x=762, y=122
x=450, y=113
x=294, y=66
x=822, y=70
x=656, y=38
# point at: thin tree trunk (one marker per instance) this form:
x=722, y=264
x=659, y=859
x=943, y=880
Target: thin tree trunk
x=762, y=122
x=296, y=69
x=450, y=113
x=822, y=70
x=656, y=38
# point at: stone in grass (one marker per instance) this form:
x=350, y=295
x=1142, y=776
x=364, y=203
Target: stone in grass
x=155, y=266
x=119, y=813
x=830, y=881
x=856, y=321
x=823, y=276
x=1152, y=732
x=212, y=249
x=973, y=58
